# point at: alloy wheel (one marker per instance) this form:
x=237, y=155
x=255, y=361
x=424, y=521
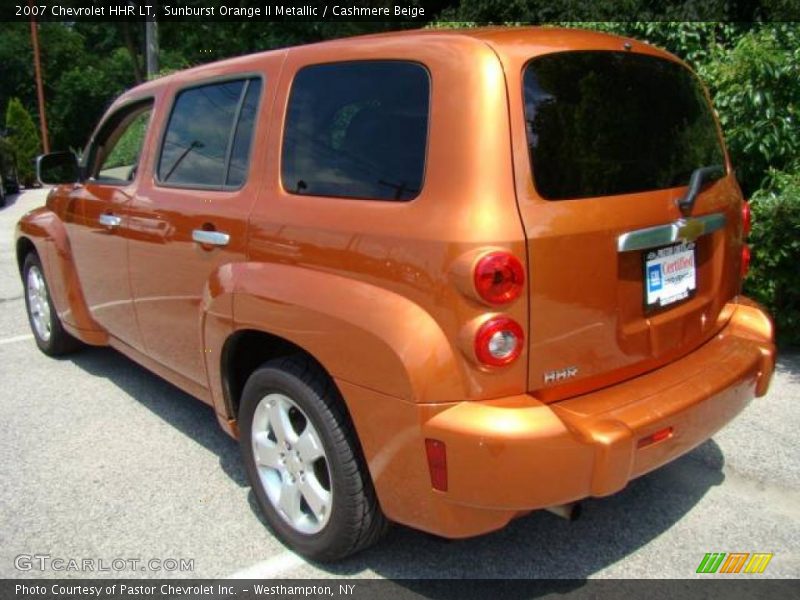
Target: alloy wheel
x=291, y=463
x=38, y=303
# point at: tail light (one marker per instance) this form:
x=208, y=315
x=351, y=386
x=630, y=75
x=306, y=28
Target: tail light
x=499, y=277
x=745, y=264
x=747, y=219
x=498, y=342
x=437, y=463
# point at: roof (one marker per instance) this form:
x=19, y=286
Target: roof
x=505, y=41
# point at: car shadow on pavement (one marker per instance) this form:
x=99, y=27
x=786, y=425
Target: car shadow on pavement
x=10, y=200
x=185, y=413
x=538, y=546
x=544, y=546
x=789, y=364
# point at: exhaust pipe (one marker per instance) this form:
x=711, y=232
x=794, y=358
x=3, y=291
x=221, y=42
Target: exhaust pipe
x=570, y=511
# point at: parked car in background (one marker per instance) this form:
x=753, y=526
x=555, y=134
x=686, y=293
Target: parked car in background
x=440, y=278
x=9, y=178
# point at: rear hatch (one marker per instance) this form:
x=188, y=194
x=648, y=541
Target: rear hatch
x=622, y=279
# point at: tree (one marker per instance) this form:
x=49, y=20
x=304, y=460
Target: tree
x=775, y=242
x=16, y=65
x=756, y=89
x=24, y=139
x=81, y=96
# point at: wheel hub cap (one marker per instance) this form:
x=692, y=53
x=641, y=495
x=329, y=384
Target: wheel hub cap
x=38, y=304
x=291, y=463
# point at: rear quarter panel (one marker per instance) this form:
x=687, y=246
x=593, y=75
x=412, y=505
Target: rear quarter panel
x=366, y=286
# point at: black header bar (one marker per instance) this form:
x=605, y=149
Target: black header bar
x=402, y=11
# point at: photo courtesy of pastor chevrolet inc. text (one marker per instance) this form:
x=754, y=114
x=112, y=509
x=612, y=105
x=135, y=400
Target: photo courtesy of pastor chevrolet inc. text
x=399, y=299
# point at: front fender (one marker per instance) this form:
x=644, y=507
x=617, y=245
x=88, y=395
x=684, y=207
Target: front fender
x=363, y=334
x=46, y=232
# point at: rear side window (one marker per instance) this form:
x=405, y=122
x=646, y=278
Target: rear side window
x=209, y=135
x=357, y=130
x=607, y=123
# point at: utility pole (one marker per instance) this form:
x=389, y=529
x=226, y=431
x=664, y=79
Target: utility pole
x=37, y=66
x=151, y=43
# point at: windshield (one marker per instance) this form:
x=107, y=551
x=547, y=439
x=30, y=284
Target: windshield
x=605, y=123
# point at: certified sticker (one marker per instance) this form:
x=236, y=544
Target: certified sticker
x=670, y=275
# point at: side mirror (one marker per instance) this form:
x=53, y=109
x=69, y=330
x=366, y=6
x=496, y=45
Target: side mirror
x=58, y=167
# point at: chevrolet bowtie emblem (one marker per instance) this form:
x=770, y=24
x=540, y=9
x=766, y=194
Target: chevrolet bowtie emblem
x=690, y=229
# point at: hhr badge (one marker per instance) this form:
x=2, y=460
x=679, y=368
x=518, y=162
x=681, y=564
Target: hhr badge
x=560, y=374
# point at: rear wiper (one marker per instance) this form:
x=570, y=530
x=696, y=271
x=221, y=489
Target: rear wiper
x=699, y=176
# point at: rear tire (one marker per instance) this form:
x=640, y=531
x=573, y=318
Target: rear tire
x=47, y=329
x=304, y=461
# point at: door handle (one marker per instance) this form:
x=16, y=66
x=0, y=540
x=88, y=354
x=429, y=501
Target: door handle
x=110, y=221
x=210, y=238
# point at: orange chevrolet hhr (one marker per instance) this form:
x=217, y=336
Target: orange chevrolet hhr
x=440, y=278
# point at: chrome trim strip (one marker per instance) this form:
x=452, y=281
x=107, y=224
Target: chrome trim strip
x=682, y=230
x=210, y=238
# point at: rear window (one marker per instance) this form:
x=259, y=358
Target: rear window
x=357, y=130
x=608, y=123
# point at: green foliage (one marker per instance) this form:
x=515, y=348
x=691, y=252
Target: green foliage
x=640, y=11
x=69, y=52
x=774, y=277
x=7, y=160
x=696, y=43
x=5, y=149
x=24, y=139
x=60, y=48
x=82, y=95
x=16, y=66
x=126, y=151
x=756, y=89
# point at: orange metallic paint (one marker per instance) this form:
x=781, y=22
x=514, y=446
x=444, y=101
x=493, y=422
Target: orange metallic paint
x=596, y=319
x=380, y=293
x=46, y=231
x=510, y=455
x=100, y=257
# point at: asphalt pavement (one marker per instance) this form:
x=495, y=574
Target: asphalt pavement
x=101, y=460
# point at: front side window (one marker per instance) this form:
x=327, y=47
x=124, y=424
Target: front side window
x=604, y=123
x=209, y=134
x=357, y=130
x=115, y=154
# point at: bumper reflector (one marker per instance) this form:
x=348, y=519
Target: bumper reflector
x=658, y=436
x=437, y=463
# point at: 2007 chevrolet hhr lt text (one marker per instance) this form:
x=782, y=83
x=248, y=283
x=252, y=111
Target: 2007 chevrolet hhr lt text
x=440, y=278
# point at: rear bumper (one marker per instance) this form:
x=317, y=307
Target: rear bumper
x=509, y=456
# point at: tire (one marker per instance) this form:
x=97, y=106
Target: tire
x=337, y=513
x=47, y=329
